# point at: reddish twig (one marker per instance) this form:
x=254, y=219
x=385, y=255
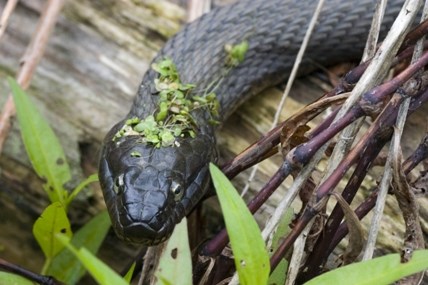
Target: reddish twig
x=420, y=154
x=262, y=148
x=320, y=252
x=385, y=120
x=7, y=11
x=415, y=35
x=370, y=104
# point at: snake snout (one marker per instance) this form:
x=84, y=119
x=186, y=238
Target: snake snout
x=146, y=210
x=146, y=223
x=144, y=234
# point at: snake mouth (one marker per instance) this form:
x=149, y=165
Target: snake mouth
x=143, y=234
x=134, y=228
x=152, y=232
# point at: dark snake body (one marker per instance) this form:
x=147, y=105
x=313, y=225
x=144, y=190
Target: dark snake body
x=146, y=196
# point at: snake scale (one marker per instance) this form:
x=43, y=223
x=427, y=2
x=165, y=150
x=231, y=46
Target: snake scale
x=146, y=195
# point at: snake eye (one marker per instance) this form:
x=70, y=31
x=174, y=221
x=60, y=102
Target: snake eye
x=118, y=184
x=177, y=190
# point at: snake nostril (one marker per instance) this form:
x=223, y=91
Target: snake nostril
x=118, y=184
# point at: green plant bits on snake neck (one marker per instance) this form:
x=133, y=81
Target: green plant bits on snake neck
x=144, y=208
x=172, y=117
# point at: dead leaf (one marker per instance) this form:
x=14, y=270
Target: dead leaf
x=410, y=208
x=336, y=72
x=357, y=236
x=293, y=132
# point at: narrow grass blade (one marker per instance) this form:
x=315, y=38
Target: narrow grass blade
x=377, y=271
x=81, y=186
x=278, y=276
x=101, y=272
x=128, y=275
x=65, y=266
x=251, y=257
x=42, y=146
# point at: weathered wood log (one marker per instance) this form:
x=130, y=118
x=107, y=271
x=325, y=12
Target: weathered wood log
x=85, y=83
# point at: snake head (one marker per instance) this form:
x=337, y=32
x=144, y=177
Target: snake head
x=149, y=189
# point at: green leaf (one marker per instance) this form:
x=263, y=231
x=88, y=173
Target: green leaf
x=174, y=86
x=132, y=121
x=147, y=125
x=278, y=276
x=7, y=278
x=103, y=274
x=251, y=258
x=175, y=264
x=167, y=137
x=52, y=221
x=166, y=68
x=236, y=53
x=163, y=111
x=200, y=99
x=65, y=266
x=128, y=275
x=179, y=94
x=187, y=86
x=152, y=138
x=192, y=134
x=41, y=144
x=177, y=131
x=163, y=95
x=377, y=271
x=90, y=179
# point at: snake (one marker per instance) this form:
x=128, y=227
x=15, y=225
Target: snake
x=148, y=194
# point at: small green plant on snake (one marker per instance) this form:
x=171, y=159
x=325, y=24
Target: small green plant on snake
x=236, y=53
x=172, y=118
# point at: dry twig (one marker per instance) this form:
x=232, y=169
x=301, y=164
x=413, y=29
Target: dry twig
x=8, y=9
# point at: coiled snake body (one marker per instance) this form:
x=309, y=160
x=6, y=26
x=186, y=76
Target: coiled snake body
x=146, y=195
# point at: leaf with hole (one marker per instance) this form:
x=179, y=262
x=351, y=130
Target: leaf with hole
x=52, y=221
x=65, y=266
x=251, y=257
x=42, y=145
x=175, y=264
